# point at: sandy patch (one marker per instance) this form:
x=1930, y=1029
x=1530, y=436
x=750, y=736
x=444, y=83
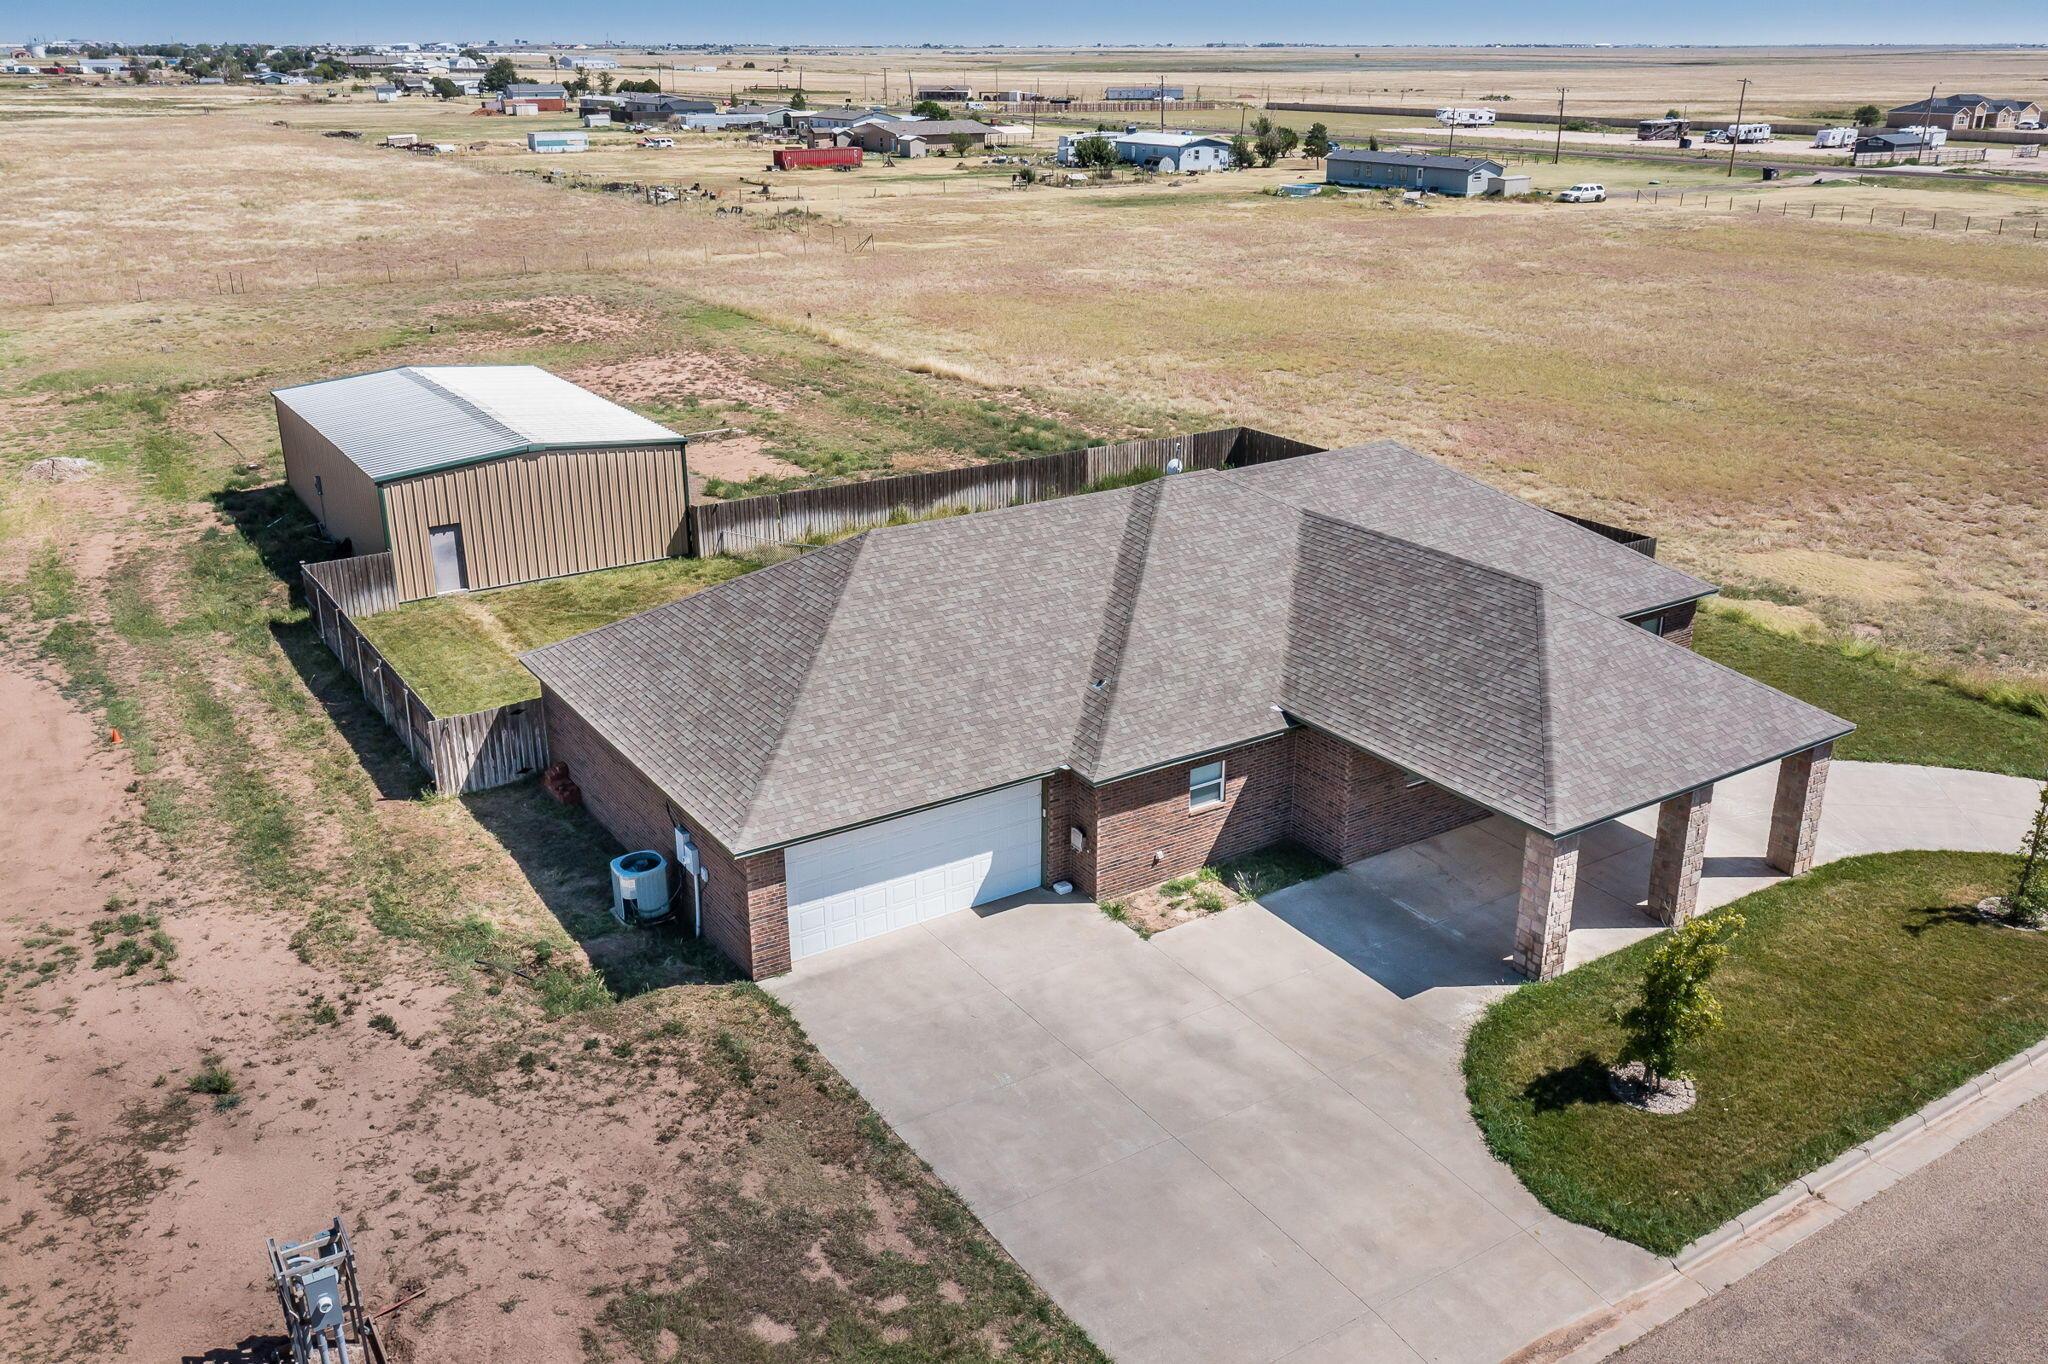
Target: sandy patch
x=739, y=458
x=696, y=375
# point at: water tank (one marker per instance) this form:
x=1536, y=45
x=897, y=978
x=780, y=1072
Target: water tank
x=640, y=888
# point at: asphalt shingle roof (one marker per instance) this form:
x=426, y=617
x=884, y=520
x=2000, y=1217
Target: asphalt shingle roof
x=1432, y=621
x=396, y=422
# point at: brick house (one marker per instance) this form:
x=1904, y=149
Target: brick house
x=1965, y=113
x=1351, y=650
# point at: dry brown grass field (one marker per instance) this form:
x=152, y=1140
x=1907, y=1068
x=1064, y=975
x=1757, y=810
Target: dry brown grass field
x=1842, y=417
x=1788, y=82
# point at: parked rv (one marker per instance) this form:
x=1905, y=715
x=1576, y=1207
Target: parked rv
x=1662, y=130
x=1836, y=137
x=1465, y=118
x=1741, y=132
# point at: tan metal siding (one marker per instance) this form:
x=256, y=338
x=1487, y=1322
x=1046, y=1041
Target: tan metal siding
x=543, y=515
x=345, y=501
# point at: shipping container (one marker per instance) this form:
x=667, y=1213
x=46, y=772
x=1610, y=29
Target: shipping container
x=806, y=158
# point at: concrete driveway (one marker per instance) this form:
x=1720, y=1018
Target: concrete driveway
x=1247, y=1139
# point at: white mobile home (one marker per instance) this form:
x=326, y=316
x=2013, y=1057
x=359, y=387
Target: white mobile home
x=1174, y=153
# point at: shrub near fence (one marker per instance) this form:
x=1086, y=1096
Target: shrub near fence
x=744, y=525
x=463, y=753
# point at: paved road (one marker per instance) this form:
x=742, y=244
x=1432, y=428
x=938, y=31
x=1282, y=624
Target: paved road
x=1946, y=1265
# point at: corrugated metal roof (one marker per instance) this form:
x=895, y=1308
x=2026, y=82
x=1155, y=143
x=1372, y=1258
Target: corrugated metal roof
x=396, y=422
x=1467, y=164
x=1172, y=139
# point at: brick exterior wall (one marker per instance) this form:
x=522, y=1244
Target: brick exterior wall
x=744, y=912
x=1677, y=622
x=1063, y=797
x=1795, y=811
x=1348, y=804
x=1141, y=831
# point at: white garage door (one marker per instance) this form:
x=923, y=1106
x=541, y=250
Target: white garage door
x=850, y=886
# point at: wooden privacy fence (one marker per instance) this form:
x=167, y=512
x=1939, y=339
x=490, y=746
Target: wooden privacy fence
x=463, y=753
x=742, y=526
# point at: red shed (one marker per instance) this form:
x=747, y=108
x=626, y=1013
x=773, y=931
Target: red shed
x=804, y=158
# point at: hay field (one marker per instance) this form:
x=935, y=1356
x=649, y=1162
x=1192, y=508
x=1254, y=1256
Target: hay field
x=1788, y=82
x=1842, y=418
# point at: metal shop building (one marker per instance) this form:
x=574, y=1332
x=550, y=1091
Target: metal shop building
x=482, y=475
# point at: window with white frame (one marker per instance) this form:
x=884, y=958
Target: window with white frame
x=1205, y=786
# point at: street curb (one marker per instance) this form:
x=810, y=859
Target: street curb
x=1752, y=1239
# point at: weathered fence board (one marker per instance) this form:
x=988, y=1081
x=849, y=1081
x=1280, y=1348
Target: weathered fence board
x=748, y=523
x=462, y=753
x=361, y=586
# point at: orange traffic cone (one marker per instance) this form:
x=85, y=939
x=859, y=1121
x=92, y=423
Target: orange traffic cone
x=114, y=736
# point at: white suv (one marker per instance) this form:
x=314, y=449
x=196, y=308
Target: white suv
x=1583, y=194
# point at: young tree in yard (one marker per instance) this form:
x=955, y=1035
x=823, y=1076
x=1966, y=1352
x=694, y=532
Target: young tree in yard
x=928, y=108
x=2027, y=905
x=1241, y=153
x=501, y=74
x=445, y=88
x=961, y=142
x=1094, y=153
x=1868, y=116
x=1676, y=1008
x=1274, y=142
x=604, y=82
x=1316, y=145
x=799, y=100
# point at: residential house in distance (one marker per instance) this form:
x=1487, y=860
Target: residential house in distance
x=482, y=475
x=1965, y=113
x=740, y=116
x=920, y=137
x=839, y=118
x=946, y=94
x=1174, y=153
x=645, y=108
x=1463, y=176
x=548, y=99
x=1130, y=93
x=1352, y=650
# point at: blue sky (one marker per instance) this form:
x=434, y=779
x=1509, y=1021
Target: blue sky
x=1041, y=21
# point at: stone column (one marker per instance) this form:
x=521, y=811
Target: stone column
x=1681, y=849
x=1795, y=815
x=1543, y=920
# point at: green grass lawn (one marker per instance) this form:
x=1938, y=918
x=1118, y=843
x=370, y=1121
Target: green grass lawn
x=461, y=653
x=1899, y=717
x=1855, y=995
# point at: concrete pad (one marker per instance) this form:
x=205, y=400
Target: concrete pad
x=919, y=1064
x=1202, y=1067
x=1108, y=997
x=1371, y=932
x=1419, y=1091
x=1242, y=949
x=1488, y=1306
x=1371, y=1207
x=1613, y=1268
x=1027, y=935
x=1335, y=1017
x=1008, y=1144
x=1367, y=1340
x=876, y=981
x=1162, y=1262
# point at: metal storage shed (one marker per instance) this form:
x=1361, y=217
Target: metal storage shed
x=483, y=475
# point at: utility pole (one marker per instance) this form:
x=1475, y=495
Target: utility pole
x=1557, y=152
x=1735, y=133
x=1927, y=127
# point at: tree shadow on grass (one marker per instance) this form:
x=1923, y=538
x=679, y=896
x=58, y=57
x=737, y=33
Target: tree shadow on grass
x=1927, y=918
x=1584, y=1081
x=566, y=856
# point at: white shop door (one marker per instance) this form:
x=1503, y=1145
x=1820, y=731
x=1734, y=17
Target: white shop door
x=846, y=887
